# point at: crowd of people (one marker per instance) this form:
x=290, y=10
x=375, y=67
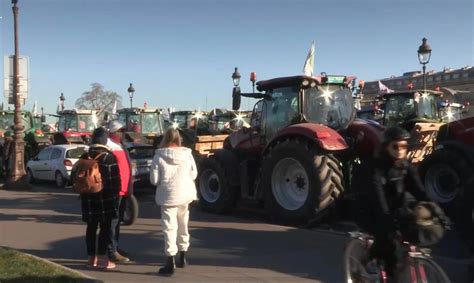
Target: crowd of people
x=173, y=172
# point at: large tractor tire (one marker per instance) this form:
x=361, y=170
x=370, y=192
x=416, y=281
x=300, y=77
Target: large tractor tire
x=299, y=181
x=445, y=173
x=449, y=180
x=216, y=193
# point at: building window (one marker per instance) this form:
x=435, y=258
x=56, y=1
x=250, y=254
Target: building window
x=414, y=81
x=455, y=76
x=447, y=77
x=399, y=83
x=429, y=79
x=438, y=78
x=465, y=75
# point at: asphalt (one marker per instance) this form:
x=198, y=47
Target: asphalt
x=46, y=222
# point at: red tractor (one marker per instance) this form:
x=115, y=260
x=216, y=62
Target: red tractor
x=287, y=158
x=75, y=126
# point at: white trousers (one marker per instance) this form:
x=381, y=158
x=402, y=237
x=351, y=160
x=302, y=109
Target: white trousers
x=174, y=222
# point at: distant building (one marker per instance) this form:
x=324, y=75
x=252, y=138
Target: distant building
x=456, y=79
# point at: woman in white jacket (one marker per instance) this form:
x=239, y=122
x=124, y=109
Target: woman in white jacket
x=173, y=171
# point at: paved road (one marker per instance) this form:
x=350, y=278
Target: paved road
x=241, y=248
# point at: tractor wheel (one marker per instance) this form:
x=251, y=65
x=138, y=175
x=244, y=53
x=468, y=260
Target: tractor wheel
x=444, y=174
x=216, y=194
x=449, y=180
x=299, y=181
x=130, y=210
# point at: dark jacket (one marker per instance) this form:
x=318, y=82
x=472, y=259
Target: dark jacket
x=393, y=187
x=104, y=204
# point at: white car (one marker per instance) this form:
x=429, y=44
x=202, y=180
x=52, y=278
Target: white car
x=54, y=163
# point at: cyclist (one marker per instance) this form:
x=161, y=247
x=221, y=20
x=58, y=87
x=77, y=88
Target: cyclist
x=395, y=194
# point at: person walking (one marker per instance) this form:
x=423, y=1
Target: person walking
x=114, y=142
x=100, y=209
x=173, y=171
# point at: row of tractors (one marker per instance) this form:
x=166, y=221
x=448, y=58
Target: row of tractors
x=304, y=146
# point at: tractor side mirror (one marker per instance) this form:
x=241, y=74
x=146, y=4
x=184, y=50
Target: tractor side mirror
x=43, y=119
x=236, y=98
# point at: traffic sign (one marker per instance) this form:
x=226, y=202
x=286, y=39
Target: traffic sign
x=23, y=76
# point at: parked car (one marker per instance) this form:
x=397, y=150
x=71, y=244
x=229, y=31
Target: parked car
x=141, y=156
x=54, y=163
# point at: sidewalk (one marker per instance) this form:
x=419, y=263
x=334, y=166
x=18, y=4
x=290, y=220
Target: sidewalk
x=46, y=222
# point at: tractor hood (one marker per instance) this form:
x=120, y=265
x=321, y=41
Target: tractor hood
x=327, y=138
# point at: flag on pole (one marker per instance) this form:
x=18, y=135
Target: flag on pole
x=308, y=68
x=35, y=110
x=384, y=89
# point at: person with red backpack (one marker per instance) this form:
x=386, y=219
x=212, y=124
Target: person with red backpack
x=123, y=160
x=100, y=208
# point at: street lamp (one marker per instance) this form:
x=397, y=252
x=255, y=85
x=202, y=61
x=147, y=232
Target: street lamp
x=424, y=55
x=17, y=174
x=236, y=90
x=236, y=77
x=131, y=91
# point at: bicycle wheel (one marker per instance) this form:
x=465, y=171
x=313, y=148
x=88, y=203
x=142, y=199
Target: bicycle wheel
x=422, y=270
x=354, y=270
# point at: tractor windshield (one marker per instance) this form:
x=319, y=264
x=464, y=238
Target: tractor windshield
x=330, y=105
x=87, y=123
x=152, y=123
x=400, y=108
x=6, y=121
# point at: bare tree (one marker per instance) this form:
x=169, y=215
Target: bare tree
x=98, y=98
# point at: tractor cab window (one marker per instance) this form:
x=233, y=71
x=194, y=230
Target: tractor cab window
x=87, y=123
x=133, y=123
x=256, y=119
x=180, y=120
x=151, y=123
x=427, y=106
x=398, y=108
x=282, y=109
x=330, y=105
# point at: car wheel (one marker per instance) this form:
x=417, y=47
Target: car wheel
x=29, y=175
x=60, y=180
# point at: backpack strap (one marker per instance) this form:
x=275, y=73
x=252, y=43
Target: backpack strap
x=99, y=155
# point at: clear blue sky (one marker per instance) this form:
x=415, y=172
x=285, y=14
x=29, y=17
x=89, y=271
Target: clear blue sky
x=177, y=53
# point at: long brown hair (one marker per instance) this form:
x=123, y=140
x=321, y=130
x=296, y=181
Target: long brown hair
x=170, y=137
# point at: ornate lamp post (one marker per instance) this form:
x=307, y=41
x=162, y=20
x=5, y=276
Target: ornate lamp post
x=236, y=90
x=424, y=55
x=131, y=91
x=17, y=174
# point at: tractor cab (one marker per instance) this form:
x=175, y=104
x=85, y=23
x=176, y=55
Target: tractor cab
x=322, y=100
x=450, y=111
x=75, y=126
x=405, y=108
x=228, y=121
x=145, y=122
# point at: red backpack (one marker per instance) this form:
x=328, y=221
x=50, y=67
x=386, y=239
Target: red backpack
x=86, y=178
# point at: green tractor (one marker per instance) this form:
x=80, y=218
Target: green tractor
x=35, y=139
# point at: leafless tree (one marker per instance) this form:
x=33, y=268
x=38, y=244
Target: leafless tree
x=98, y=98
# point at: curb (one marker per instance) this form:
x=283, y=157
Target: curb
x=85, y=277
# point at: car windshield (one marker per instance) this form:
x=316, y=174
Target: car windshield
x=6, y=121
x=140, y=152
x=331, y=105
x=75, y=153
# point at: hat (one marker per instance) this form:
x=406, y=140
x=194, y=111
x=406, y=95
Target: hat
x=115, y=126
x=99, y=136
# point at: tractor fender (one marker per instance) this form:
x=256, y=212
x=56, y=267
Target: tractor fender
x=463, y=150
x=231, y=164
x=325, y=137
x=365, y=136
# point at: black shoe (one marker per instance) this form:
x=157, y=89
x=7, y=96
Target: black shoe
x=168, y=269
x=181, y=263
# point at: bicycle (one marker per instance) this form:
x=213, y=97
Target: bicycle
x=416, y=264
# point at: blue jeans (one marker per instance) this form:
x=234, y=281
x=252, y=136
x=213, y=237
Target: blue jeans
x=115, y=229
